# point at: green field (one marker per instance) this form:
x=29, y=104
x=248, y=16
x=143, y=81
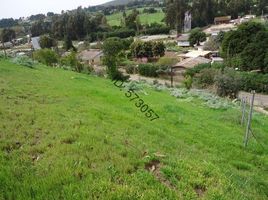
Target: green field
x=65, y=135
x=145, y=18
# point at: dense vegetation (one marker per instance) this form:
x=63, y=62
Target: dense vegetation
x=65, y=135
x=247, y=47
x=227, y=81
x=204, y=11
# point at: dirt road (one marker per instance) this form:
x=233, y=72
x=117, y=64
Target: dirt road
x=260, y=99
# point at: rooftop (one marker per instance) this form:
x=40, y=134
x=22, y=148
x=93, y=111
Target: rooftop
x=90, y=54
x=196, y=53
x=222, y=18
x=191, y=62
x=184, y=37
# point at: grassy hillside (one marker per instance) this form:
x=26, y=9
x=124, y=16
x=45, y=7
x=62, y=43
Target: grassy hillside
x=65, y=135
x=145, y=18
x=117, y=2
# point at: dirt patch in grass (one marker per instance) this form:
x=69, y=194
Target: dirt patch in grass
x=200, y=191
x=154, y=166
x=68, y=140
x=11, y=146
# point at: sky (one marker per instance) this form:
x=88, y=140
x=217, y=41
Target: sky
x=24, y=8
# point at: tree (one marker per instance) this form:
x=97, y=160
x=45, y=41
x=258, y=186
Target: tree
x=111, y=49
x=8, y=35
x=212, y=45
x=159, y=49
x=197, y=36
x=72, y=61
x=246, y=47
x=254, y=55
x=39, y=28
x=132, y=20
x=46, y=56
x=47, y=42
x=148, y=49
x=68, y=44
x=5, y=23
x=175, y=11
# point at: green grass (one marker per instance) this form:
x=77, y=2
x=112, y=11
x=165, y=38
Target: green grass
x=65, y=135
x=145, y=18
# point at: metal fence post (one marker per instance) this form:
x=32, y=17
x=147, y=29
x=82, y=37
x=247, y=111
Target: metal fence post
x=249, y=119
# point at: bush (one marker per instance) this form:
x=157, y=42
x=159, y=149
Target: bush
x=156, y=30
x=121, y=33
x=117, y=75
x=165, y=61
x=188, y=82
x=206, y=77
x=71, y=61
x=2, y=56
x=228, y=83
x=47, y=42
x=130, y=69
x=149, y=70
x=254, y=81
x=24, y=61
x=46, y=56
x=191, y=72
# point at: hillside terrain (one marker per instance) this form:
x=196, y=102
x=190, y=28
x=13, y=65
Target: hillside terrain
x=145, y=18
x=65, y=135
x=117, y=2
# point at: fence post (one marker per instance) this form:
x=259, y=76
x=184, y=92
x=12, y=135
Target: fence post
x=249, y=119
x=243, y=107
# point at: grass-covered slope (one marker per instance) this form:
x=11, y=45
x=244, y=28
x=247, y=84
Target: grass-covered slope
x=145, y=18
x=65, y=135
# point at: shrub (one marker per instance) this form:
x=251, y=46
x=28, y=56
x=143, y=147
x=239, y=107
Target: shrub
x=130, y=69
x=211, y=45
x=46, y=56
x=254, y=81
x=228, y=83
x=121, y=33
x=71, y=60
x=117, y=75
x=206, y=77
x=156, y=30
x=2, y=56
x=191, y=72
x=149, y=70
x=24, y=61
x=47, y=42
x=165, y=61
x=188, y=82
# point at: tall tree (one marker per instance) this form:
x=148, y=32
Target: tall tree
x=175, y=13
x=111, y=49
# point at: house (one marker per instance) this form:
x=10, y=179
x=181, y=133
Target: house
x=196, y=53
x=214, y=30
x=189, y=63
x=35, y=43
x=217, y=60
x=91, y=57
x=183, y=40
x=250, y=17
x=222, y=20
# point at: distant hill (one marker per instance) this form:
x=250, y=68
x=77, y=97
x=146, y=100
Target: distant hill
x=124, y=2
x=117, y=2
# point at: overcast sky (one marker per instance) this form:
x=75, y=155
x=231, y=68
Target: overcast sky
x=24, y=8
